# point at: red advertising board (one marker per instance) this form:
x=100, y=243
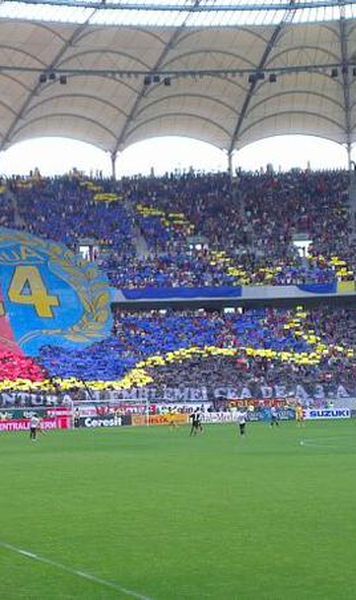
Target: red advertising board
x=47, y=424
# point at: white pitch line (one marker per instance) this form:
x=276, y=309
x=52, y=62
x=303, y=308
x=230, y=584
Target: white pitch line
x=328, y=442
x=82, y=574
x=316, y=444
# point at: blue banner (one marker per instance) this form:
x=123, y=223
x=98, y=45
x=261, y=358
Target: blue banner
x=319, y=288
x=264, y=414
x=49, y=296
x=183, y=293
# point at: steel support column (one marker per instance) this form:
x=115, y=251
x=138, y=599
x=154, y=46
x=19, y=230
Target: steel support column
x=229, y=163
x=113, y=157
x=345, y=81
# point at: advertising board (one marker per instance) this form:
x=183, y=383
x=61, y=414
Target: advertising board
x=327, y=413
x=47, y=424
x=168, y=419
x=108, y=420
x=263, y=414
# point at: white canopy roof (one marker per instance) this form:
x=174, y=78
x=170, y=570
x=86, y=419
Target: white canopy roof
x=212, y=81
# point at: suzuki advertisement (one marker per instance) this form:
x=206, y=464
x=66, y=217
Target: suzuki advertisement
x=327, y=413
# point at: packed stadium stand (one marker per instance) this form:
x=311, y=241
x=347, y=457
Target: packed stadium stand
x=246, y=226
x=255, y=347
x=196, y=230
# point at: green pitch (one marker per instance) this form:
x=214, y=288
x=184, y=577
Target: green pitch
x=168, y=517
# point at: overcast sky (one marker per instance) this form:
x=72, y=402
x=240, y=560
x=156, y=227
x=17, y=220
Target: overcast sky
x=59, y=155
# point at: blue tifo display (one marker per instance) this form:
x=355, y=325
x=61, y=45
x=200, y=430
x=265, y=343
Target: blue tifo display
x=143, y=335
x=48, y=295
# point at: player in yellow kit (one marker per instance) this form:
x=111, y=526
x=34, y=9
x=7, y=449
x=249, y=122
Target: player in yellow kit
x=299, y=414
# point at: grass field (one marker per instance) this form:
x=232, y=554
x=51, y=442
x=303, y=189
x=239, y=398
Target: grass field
x=169, y=517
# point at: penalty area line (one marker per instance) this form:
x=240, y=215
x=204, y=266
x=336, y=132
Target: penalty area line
x=78, y=573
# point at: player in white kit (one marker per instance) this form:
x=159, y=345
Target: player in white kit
x=241, y=419
x=34, y=425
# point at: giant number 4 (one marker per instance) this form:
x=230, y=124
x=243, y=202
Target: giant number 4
x=36, y=292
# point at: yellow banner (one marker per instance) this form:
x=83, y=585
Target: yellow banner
x=346, y=287
x=177, y=419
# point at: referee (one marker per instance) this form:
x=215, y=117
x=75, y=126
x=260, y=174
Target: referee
x=76, y=420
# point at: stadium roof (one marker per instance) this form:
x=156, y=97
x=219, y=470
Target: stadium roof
x=228, y=73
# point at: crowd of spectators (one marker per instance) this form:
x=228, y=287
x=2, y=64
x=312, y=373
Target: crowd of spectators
x=250, y=348
x=7, y=217
x=224, y=372
x=171, y=269
x=159, y=335
x=200, y=230
x=337, y=329
x=64, y=209
x=251, y=222
x=15, y=366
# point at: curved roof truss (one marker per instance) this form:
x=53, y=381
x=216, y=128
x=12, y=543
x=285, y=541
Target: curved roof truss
x=228, y=85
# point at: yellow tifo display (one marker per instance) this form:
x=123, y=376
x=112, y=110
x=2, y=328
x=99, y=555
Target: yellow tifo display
x=140, y=377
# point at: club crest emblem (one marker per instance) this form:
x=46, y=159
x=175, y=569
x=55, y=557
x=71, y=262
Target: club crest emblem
x=49, y=296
